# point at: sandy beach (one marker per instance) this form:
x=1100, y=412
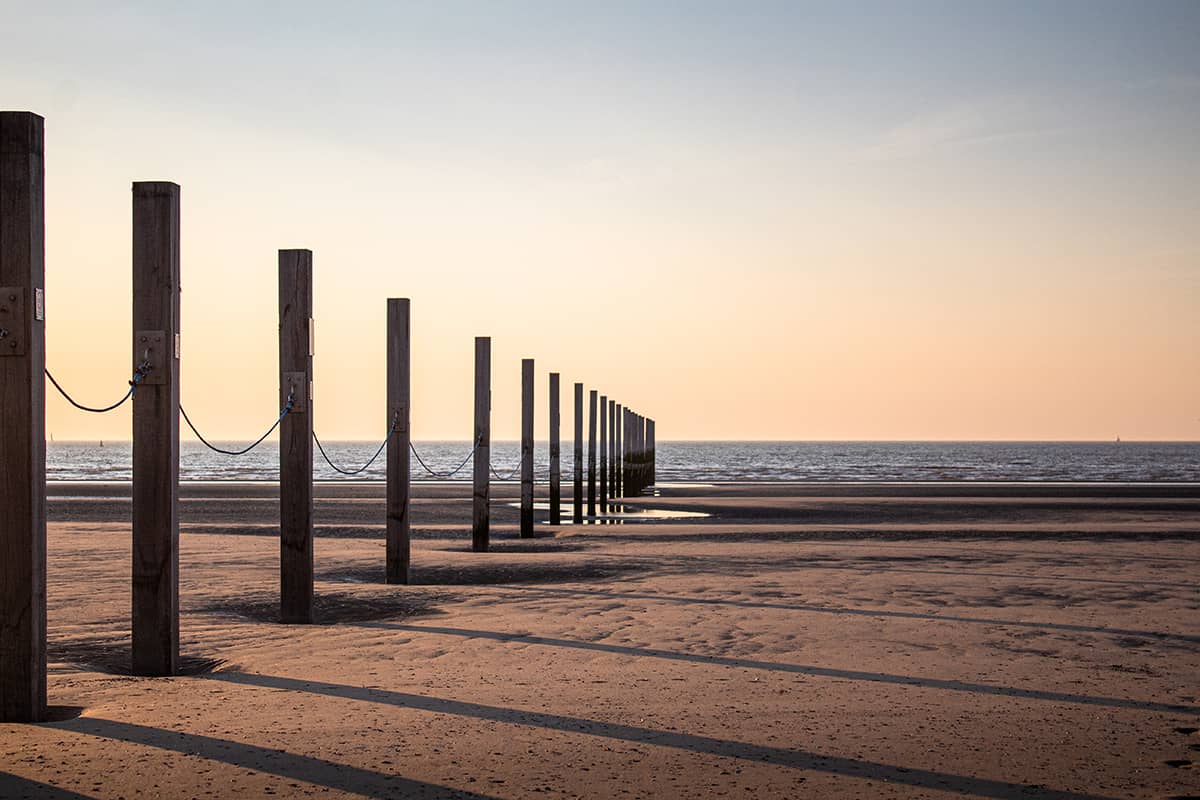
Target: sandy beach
x=997, y=641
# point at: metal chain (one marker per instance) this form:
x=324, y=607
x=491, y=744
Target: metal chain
x=138, y=374
x=244, y=450
x=510, y=475
x=445, y=475
x=336, y=468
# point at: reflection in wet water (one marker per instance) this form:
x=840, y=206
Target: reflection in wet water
x=615, y=514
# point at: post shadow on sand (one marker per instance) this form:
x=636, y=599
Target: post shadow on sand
x=1024, y=577
x=805, y=669
x=1034, y=554
x=863, y=612
x=292, y=766
x=871, y=564
x=374, y=600
x=115, y=656
x=778, y=756
x=489, y=570
x=15, y=787
x=333, y=607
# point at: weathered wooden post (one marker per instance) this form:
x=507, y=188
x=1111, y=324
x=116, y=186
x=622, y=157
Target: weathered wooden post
x=631, y=458
x=612, y=449
x=627, y=453
x=526, y=448
x=603, y=453
x=651, y=458
x=637, y=454
x=591, y=449
x=618, y=423
x=639, y=429
x=155, y=348
x=295, y=437
x=645, y=452
x=555, y=454
x=641, y=462
x=577, y=512
x=480, y=519
x=399, y=442
x=22, y=418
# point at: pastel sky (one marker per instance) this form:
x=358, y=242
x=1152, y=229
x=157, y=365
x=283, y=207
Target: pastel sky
x=927, y=220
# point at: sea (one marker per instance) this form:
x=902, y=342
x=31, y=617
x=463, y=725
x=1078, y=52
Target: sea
x=708, y=462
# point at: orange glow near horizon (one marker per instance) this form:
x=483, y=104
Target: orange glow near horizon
x=772, y=242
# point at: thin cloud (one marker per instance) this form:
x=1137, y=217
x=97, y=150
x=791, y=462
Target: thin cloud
x=958, y=127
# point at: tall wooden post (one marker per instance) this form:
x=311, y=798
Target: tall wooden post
x=22, y=418
x=526, y=448
x=640, y=432
x=638, y=465
x=155, y=572
x=591, y=448
x=603, y=409
x=650, y=453
x=577, y=512
x=618, y=422
x=646, y=452
x=555, y=453
x=627, y=483
x=295, y=437
x=637, y=454
x=635, y=490
x=480, y=520
x=399, y=405
x=611, y=411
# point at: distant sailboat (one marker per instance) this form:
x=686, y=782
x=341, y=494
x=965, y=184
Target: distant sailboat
x=1118, y=440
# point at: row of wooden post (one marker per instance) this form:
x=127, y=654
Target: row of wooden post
x=639, y=463
x=625, y=450
x=624, y=470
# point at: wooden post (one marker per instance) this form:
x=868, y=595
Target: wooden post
x=612, y=449
x=591, y=453
x=526, y=448
x=22, y=418
x=603, y=453
x=618, y=421
x=399, y=405
x=637, y=454
x=641, y=462
x=650, y=453
x=645, y=453
x=555, y=454
x=577, y=512
x=155, y=572
x=295, y=437
x=480, y=520
x=633, y=455
x=622, y=439
x=626, y=453
x=637, y=460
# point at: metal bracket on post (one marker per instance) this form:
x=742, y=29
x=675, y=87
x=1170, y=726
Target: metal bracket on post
x=150, y=347
x=399, y=413
x=12, y=321
x=296, y=384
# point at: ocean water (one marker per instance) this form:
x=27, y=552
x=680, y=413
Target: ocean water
x=700, y=461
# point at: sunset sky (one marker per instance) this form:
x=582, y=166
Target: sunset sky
x=755, y=220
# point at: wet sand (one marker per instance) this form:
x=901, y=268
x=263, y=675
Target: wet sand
x=801, y=641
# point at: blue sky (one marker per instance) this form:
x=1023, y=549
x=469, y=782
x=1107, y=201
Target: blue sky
x=992, y=204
